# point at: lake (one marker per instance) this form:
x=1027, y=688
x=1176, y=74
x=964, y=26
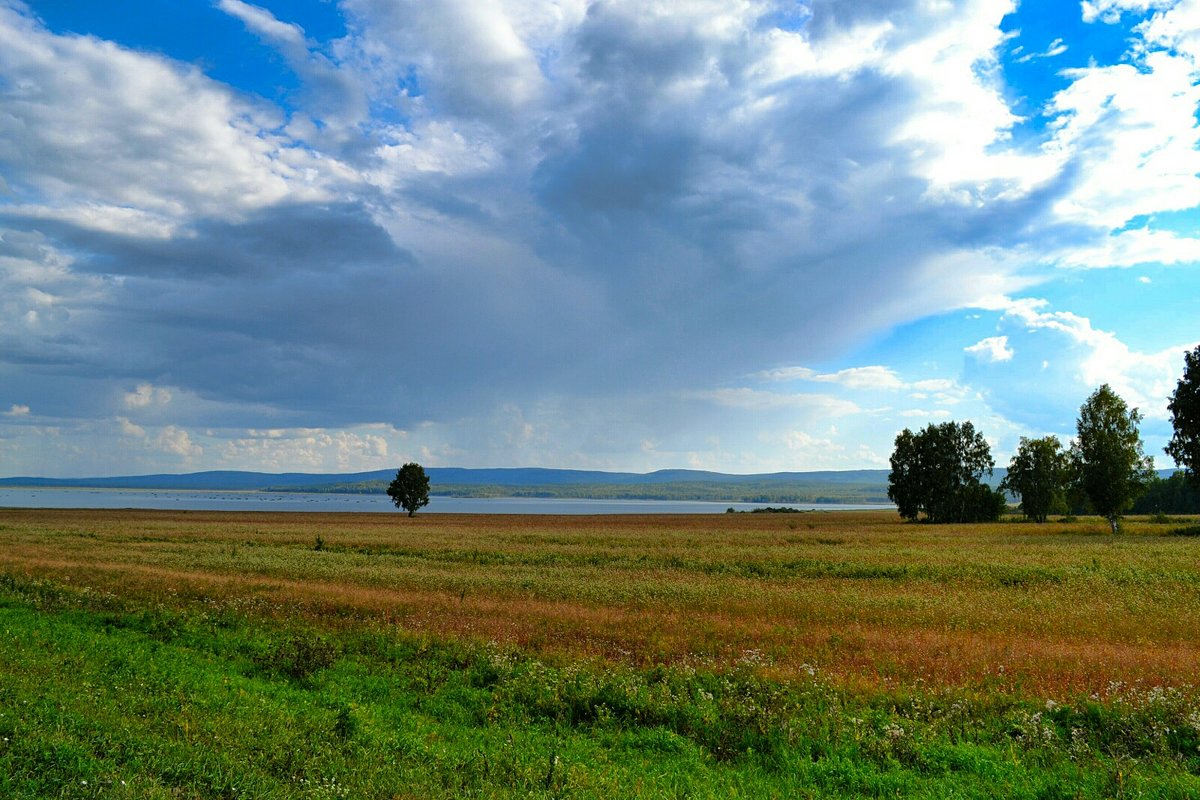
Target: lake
x=297, y=501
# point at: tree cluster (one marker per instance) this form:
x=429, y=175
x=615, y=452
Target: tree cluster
x=938, y=472
x=1039, y=473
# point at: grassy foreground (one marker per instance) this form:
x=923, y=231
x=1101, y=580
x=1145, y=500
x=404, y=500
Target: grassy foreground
x=171, y=654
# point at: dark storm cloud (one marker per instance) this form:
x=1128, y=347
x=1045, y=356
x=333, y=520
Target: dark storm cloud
x=326, y=238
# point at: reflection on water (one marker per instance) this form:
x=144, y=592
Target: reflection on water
x=296, y=501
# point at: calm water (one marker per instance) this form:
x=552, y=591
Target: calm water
x=295, y=501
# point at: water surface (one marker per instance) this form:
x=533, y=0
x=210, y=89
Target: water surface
x=168, y=499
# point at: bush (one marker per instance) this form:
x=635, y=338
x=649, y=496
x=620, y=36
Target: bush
x=298, y=657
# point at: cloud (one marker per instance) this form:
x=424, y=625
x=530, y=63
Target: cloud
x=93, y=132
x=1055, y=48
x=1136, y=247
x=264, y=23
x=992, y=349
x=178, y=441
x=548, y=230
x=1109, y=11
x=872, y=377
x=311, y=449
x=1059, y=358
x=131, y=429
x=755, y=399
x=16, y=410
x=146, y=395
x=1131, y=134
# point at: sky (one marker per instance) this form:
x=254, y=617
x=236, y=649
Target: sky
x=339, y=235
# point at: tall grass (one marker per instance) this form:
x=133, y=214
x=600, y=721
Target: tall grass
x=154, y=654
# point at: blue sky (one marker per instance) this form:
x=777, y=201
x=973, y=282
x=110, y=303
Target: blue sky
x=743, y=236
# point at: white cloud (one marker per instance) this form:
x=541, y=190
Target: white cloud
x=746, y=398
x=1109, y=11
x=131, y=429
x=1136, y=247
x=475, y=59
x=1062, y=357
x=172, y=439
x=870, y=377
x=1131, y=135
x=263, y=22
x=146, y=396
x=815, y=452
x=993, y=348
x=17, y=410
x=1055, y=48
x=919, y=413
x=103, y=133
x=312, y=449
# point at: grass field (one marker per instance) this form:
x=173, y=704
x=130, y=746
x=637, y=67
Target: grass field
x=208, y=654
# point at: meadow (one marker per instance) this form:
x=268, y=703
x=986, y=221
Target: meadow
x=210, y=654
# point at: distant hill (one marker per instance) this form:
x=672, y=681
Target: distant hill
x=820, y=486
x=212, y=481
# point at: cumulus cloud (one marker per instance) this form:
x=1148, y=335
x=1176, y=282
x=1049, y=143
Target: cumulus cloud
x=993, y=349
x=130, y=429
x=17, y=410
x=146, y=395
x=1062, y=357
x=178, y=441
x=1132, y=134
x=98, y=136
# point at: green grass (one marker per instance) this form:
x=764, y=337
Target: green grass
x=104, y=696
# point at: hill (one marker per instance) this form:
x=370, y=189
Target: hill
x=854, y=486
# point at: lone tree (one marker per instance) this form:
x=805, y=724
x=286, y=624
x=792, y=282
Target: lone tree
x=410, y=488
x=1040, y=473
x=938, y=472
x=1111, y=468
x=1184, y=406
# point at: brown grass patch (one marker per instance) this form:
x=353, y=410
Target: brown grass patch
x=1053, y=609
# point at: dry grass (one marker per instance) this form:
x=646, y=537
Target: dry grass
x=1054, y=609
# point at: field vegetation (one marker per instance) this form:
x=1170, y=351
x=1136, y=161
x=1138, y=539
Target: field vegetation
x=209, y=654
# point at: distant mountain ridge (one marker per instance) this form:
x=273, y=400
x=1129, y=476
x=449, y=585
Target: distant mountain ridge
x=457, y=477
x=229, y=480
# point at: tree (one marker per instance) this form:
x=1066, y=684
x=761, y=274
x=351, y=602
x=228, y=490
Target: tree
x=1175, y=494
x=1111, y=468
x=1040, y=473
x=410, y=488
x=1184, y=406
x=938, y=472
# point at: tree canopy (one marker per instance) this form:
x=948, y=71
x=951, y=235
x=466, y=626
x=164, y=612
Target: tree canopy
x=410, y=488
x=1111, y=468
x=1040, y=473
x=938, y=472
x=1184, y=406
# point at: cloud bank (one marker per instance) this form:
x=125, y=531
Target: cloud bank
x=575, y=234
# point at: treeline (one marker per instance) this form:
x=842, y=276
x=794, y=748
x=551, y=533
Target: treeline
x=937, y=473
x=1174, y=494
